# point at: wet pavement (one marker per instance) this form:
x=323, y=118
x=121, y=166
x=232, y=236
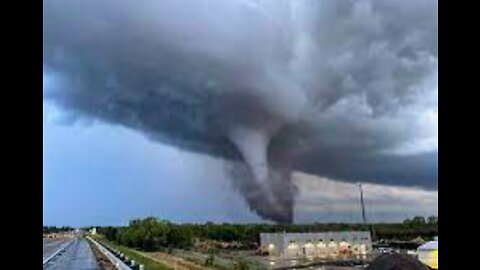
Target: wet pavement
x=52, y=245
x=77, y=256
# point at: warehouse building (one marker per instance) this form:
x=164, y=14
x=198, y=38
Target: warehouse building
x=312, y=245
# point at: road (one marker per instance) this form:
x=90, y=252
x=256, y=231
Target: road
x=77, y=256
x=52, y=245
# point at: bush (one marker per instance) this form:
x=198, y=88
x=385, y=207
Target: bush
x=240, y=265
x=210, y=259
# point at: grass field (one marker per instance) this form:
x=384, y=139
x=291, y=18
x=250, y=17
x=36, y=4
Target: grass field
x=180, y=259
x=149, y=263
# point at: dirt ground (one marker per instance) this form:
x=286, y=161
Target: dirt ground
x=102, y=260
x=174, y=262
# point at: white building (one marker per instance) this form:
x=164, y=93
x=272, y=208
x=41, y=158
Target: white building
x=320, y=244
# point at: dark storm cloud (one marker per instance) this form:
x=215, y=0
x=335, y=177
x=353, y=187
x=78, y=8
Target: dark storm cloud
x=318, y=86
x=416, y=170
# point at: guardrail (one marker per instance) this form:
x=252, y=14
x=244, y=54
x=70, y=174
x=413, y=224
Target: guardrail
x=117, y=258
x=49, y=258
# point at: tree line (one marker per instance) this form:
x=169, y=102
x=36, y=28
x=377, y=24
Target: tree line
x=156, y=234
x=150, y=234
x=55, y=229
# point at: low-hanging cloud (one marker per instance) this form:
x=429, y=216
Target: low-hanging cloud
x=341, y=89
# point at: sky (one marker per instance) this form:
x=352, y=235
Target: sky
x=150, y=107
x=100, y=174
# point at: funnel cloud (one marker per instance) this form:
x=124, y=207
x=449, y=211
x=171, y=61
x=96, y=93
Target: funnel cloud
x=340, y=89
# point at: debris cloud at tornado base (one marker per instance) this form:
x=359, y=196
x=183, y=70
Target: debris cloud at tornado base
x=341, y=89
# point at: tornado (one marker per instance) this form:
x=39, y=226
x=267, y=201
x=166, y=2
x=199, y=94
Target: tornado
x=251, y=127
x=263, y=190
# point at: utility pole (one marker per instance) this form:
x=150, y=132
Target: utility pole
x=362, y=203
x=364, y=217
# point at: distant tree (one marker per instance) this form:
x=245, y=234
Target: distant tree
x=432, y=220
x=109, y=232
x=180, y=237
x=415, y=222
x=155, y=234
x=55, y=229
x=418, y=220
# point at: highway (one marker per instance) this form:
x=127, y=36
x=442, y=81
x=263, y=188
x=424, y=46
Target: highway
x=52, y=245
x=76, y=255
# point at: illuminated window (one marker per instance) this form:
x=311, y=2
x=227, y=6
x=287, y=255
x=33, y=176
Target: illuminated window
x=321, y=244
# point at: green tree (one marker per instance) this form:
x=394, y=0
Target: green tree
x=180, y=237
x=418, y=220
x=432, y=220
